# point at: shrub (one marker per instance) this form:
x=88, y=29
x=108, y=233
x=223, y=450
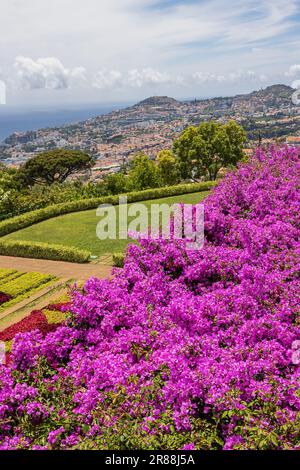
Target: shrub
x=182, y=348
x=43, y=251
x=19, y=201
x=9, y=274
x=8, y=346
x=118, y=260
x=26, y=295
x=36, y=320
x=6, y=273
x=4, y=298
x=54, y=316
x=59, y=307
x=31, y=218
x=24, y=283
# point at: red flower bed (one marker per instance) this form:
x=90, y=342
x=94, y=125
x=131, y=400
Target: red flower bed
x=4, y=298
x=35, y=321
x=8, y=359
x=60, y=307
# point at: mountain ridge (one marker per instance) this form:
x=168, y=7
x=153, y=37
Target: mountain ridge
x=278, y=91
x=157, y=101
x=154, y=123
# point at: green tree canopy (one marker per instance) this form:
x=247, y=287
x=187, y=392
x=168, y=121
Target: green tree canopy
x=203, y=150
x=167, y=168
x=143, y=174
x=116, y=183
x=7, y=178
x=54, y=166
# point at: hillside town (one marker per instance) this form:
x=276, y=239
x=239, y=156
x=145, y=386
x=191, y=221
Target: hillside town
x=267, y=115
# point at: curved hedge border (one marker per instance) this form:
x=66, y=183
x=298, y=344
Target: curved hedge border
x=43, y=251
x=30, y=218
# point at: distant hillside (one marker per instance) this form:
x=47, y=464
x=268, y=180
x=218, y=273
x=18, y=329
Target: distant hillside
x=272, y=94
x=158, y=101
x=269, y=97
x=154, y=123
x=282, y=91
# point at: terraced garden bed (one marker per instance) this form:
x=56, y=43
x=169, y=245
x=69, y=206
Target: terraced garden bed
x=44, y=320
x=16, y=286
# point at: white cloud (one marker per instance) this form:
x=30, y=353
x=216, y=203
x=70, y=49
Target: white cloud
x=293, y=70
x=157, y=41
x=50, y=73
x=135, y=78
x=296, y=84
x=147, y=76
x=108, y=79
x=229, y=77
x=46, y=73
x=203, y=77
x=2, y=92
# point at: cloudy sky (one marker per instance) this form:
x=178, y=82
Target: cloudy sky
x=83, y=51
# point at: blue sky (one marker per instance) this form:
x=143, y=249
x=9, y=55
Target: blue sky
x=80, y=51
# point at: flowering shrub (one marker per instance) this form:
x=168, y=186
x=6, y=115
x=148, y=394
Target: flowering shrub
x=59, y=307
x=181, y=349
x=36, y=320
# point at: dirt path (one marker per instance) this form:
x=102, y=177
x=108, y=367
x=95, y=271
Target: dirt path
x=61, y=269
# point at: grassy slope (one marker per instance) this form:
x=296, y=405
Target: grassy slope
x=79, y=229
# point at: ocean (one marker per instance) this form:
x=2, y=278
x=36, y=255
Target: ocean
x=18, y=120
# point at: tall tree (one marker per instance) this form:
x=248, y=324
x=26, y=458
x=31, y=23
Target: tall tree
x=203, y=150
x=54, y=166
x=7, y=178
x=116, y=183
x=167, y=168
x=143, y=173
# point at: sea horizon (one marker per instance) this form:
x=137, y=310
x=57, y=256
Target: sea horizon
x=31, y=118
x=23, y=119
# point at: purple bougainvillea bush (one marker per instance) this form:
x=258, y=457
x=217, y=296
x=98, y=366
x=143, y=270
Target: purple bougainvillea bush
x=181, y=349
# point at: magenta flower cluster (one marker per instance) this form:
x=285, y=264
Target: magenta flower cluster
x=218, y=327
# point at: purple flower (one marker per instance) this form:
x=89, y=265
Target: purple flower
x=36, y=411
x=179, y=336
x=188, y=447
x=55, y=435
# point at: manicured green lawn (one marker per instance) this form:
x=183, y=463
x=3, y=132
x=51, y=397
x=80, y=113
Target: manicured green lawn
x=79, y=229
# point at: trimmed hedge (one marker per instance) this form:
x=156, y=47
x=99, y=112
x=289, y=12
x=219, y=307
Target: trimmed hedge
x=26, y=295
x=54, y=316
x=43, y=251
x=11, y=274
x=5, y=273
x=30, y=218
x=26, y=282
